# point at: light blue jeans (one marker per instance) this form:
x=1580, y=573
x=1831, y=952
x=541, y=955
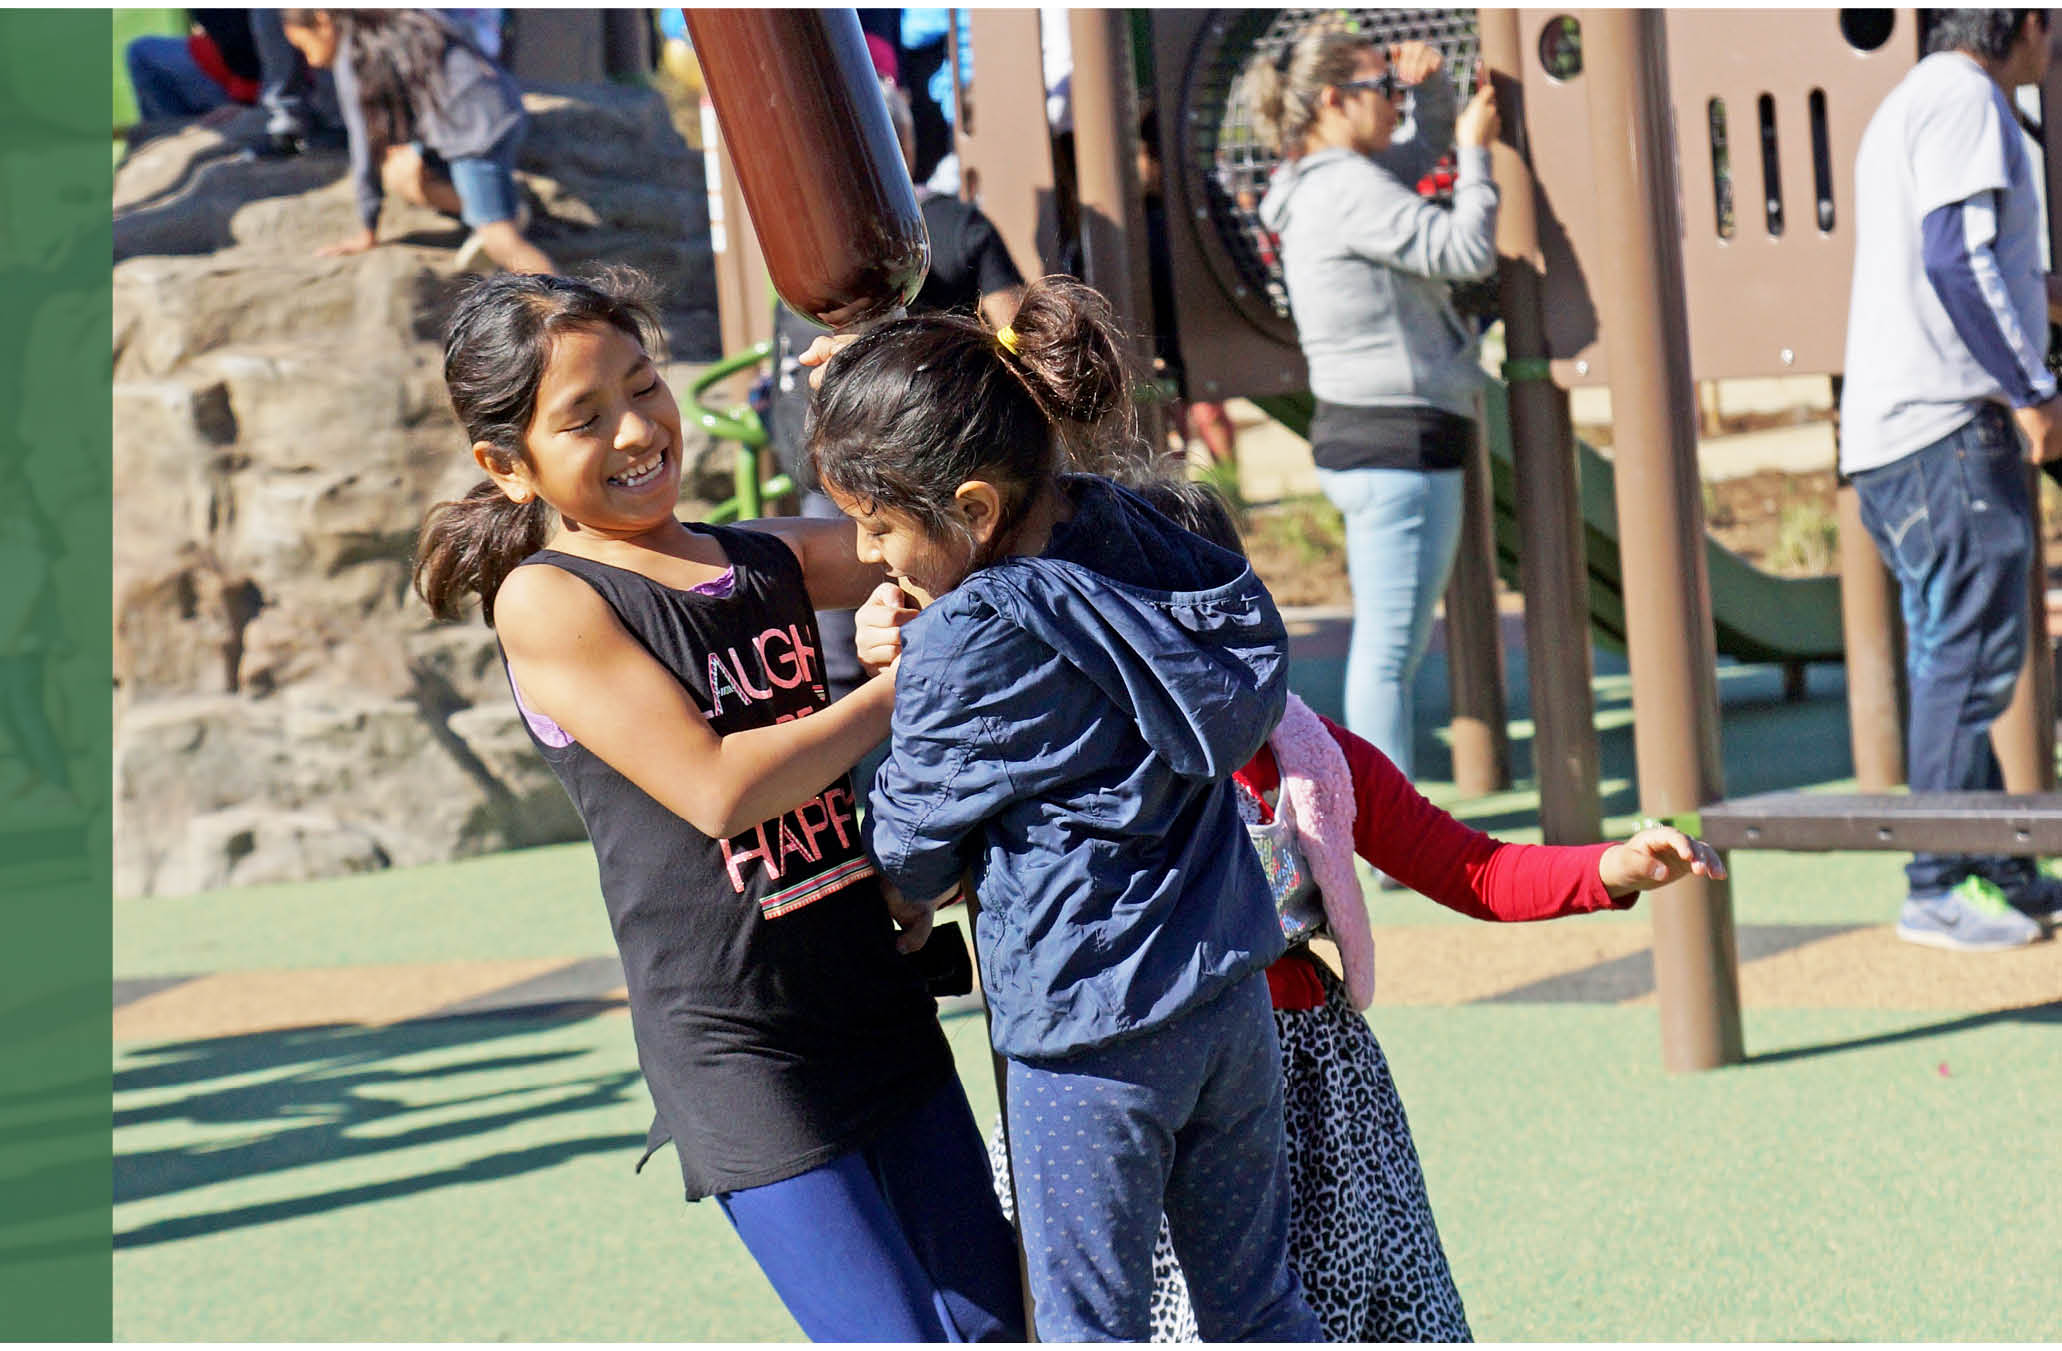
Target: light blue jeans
x=1403, y=527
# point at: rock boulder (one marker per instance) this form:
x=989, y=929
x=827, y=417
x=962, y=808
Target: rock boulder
x=284, y=706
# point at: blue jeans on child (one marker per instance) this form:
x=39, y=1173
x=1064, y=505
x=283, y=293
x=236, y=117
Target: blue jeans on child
x=1187, y=1117
x=1403, y=527
x=901, y=1241
x=1954, y=523
x=168, y=81
x=486, y=183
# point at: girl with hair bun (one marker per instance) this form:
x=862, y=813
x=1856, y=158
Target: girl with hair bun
x=1081, y=681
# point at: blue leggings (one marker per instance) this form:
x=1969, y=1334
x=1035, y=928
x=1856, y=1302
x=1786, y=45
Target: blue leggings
x=1187, y=1117
x=901, y=1241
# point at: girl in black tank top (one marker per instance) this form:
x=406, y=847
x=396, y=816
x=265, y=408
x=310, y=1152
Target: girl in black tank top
x=672, y=677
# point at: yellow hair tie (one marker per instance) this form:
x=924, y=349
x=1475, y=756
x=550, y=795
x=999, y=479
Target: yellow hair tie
x=1007, y=336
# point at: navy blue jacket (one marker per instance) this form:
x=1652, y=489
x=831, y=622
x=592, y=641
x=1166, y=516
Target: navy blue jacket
x=1065, y=728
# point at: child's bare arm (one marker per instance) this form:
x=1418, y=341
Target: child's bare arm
x=829, y=554
x=575, y=664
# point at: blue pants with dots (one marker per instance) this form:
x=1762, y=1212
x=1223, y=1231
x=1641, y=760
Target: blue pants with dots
x=1187, y=1117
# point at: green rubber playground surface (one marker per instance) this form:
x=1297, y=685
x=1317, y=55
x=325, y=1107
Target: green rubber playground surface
x=405, y=1106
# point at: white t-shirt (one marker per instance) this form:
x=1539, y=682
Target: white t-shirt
x=1943, y=135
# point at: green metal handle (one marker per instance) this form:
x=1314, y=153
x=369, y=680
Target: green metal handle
x=723, y=513
x=739, y=424
x=743, y=426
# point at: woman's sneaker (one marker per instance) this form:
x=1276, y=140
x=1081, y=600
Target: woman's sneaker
x=1974, y=916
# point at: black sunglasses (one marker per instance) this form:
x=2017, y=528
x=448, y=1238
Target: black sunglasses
x=1386, y=84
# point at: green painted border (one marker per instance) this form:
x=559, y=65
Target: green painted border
x=56, y=1244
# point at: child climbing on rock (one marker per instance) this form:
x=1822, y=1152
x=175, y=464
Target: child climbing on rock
x=1079, y=686
x=428, y=116
x=671, y=675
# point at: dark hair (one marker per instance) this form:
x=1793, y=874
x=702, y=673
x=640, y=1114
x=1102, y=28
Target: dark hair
x=395, y=55
x=1988, y=33
x=1196, y=507
x=918, y=406
x=495, y=351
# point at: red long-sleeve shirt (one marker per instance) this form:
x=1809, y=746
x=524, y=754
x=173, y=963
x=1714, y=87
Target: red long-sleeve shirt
x=1397, y=830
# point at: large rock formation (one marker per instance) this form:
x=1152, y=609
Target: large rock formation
x=284, y=707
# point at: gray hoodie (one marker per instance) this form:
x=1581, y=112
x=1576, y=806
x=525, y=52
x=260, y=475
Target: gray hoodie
x=1367, y=263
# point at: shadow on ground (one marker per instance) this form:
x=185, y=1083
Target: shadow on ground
x=307, y=1096
x=2037, y=1015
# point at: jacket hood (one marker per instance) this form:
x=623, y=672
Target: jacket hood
x=1175, y=631
x=1274, y=206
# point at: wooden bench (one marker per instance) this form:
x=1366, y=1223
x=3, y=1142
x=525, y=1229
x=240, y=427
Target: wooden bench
x=1943, y=823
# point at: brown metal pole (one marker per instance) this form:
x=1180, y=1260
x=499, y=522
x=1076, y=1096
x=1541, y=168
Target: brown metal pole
x=817, y=159
x=2024, y=734
x=1474, y=645
x=744, y=299
x=1868, y=634
x=1868, y=630
x=1113, y=235
x=1669, y=634
x=1552, y=561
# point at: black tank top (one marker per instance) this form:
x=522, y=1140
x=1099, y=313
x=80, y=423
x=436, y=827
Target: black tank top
x=776, y=1025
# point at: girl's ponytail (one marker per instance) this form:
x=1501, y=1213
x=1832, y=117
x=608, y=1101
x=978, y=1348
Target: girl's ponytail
x=1264, y=95
x=468, y=548
x=1064, y=344
x=914, y=408
x=1281, y=94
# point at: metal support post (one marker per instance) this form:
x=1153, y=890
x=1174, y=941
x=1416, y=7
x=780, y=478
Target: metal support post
x=2024, y=734
x=1113, y=235
x=1668, y=624
x=1552, y=566
x=1474, y=643
x=1869, y=635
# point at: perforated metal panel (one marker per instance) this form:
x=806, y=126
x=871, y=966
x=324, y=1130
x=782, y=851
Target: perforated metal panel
x=1227, y=165
x=1231, y=307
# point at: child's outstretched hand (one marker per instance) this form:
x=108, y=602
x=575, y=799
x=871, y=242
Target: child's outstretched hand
x=877, y=627
x=912, y=917
x=1655, y=857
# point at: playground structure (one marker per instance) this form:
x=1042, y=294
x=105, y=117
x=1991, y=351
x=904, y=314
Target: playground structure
x=1629, y=257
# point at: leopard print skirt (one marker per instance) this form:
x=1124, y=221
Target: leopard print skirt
x=1361, y=1233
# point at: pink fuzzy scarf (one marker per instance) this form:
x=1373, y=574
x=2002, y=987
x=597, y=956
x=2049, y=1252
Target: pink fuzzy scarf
x=1317, y=792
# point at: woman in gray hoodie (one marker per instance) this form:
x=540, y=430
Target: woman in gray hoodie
x=1395, y=370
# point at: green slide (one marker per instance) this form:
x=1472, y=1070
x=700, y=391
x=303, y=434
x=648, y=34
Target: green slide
x=1759, y=617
